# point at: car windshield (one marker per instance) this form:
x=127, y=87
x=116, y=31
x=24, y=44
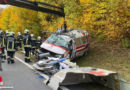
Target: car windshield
x=57, y=40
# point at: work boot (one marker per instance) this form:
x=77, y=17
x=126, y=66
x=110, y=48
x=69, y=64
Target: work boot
x=4, y=57
x=8, y=61
x=26, y=60
x=1, y=69
x=12, y=62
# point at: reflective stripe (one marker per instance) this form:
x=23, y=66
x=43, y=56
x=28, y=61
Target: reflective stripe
x=3, y=42
x=29, y=54
x=12, y=58
x=3, y=55
x=27, y=57
x=33, y=47
x=26, y=40
x=7, y=45
x=10, y=49
x=13, y=46
x=27, y=45
x=33, y=39
x=8, y=57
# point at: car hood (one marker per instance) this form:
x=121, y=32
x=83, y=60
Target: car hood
x=53, y=48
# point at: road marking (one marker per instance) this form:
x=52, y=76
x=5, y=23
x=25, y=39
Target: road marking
x=24, y=63
x=31, y=67
x=6, y=87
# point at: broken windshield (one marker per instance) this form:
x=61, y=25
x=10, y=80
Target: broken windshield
x=57, y=40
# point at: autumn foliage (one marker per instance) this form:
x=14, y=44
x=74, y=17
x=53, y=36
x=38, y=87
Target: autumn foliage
x=108, y=20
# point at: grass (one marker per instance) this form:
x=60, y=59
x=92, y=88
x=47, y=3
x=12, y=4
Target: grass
x=106, y=56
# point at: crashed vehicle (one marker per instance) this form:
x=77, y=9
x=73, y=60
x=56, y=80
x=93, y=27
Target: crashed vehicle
x=53, y=65
x=69, y=76
x=69, y=44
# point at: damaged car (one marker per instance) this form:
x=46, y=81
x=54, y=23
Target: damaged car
x=69, y=44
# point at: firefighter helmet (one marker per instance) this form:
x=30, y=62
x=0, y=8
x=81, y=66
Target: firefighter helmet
x=32, y=35
x=1, y=31
x=11, y=33
x=7, y=31
x=19, y=33
x=38, y=38
x=26, y=31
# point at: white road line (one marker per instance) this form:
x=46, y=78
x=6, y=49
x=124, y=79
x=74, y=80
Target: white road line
x=31, y=67
x=24, y=63
x=6, y=87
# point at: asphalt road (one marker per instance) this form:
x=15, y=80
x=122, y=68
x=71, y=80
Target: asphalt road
x=20, y=77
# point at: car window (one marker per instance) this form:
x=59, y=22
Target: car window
x=57, y=40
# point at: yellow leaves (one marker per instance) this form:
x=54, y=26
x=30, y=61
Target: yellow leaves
x=106, y=17
x=84, y=1
x=87, y=18
x=102, y=11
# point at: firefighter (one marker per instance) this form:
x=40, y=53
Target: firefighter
x=7, y=33
x=33, y=39
x=6, y=36
x=2, y=37
x=27, y=45
x=19, y=40
x=11, y=47
x=38, y=43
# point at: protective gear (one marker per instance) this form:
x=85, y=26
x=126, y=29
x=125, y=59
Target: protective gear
x=26, y=31
x=27, y=46
x=11, y=34
x=19, y=33
x=32, y=35
x=19, y=40
x=11, y=47
x=33, y=39
x=38, y=38
x=38, y=42
x=1, y=31
x=3, y=42
x=7, y=31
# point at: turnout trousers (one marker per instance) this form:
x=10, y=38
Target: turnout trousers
x=19, y=45
x=33, y=50
x=27, y=54
x=10, y=57
x=3, y=53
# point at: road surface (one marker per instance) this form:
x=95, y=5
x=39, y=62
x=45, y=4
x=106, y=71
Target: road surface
x=21, y=77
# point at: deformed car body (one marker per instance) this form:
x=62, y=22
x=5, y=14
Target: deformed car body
x=69, y=44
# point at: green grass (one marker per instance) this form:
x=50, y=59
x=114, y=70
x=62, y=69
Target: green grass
x=106, y=56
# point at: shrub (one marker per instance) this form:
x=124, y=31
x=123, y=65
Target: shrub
x=126, y=43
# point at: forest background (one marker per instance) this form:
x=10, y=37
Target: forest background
x=107, y=21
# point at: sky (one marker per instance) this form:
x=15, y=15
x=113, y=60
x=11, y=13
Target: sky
x=3, y=6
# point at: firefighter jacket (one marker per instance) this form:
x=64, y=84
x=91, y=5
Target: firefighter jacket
x=38, y=43
x=27, y=40
x=11, y=43
x=33, y=43
x=19, y=38
x=3, y=40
